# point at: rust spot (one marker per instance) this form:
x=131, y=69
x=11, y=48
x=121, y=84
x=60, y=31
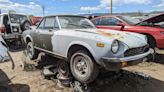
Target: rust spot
x=116, y=36
x=104, y=33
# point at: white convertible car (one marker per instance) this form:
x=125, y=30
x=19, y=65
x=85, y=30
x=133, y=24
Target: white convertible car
x=76, y=40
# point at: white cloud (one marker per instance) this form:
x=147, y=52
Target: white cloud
x=30, y=8
x=89, y=8
x=160, y=5
x=104, y=4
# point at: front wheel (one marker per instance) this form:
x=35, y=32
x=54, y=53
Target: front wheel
x=83, y=67
x=31, y=52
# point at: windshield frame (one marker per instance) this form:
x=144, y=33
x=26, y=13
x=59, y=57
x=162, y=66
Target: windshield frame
x=92, y=26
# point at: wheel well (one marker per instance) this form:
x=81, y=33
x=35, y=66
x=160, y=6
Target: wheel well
x=75, y=48
x=153, y=41
x=28, y=40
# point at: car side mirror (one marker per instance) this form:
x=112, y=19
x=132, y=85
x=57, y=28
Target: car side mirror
x=121, y=24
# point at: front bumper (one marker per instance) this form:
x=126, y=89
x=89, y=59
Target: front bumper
x=11, y=36
x=115, y=64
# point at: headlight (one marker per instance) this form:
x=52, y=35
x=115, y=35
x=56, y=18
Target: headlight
x=115, y=46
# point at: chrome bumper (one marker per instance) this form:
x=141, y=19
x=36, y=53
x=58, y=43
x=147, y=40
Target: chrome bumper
x=117, y=63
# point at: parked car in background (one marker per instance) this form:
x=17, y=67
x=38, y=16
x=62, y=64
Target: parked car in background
x=35, y=20
x=12, y=26
x=153, y=28
x=76, y=40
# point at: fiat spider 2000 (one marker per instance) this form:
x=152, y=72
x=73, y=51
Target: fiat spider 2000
x=87, y=49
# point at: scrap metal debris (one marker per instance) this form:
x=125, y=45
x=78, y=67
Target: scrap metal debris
x=25, y=65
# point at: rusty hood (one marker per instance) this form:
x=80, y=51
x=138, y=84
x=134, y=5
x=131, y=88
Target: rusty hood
x=132, y=40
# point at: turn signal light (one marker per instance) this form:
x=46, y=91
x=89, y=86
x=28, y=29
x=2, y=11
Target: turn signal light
x=100, y=44
x=124, y=64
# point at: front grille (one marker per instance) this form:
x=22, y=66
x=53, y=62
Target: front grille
x=136, y=51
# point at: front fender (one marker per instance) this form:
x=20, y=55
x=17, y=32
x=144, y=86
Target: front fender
x=28, y=36
x=87, y=46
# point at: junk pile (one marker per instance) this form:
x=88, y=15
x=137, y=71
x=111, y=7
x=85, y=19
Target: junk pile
x=60, y=73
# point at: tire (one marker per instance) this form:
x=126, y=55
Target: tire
x=86, y=70
x=31, y=52
x=151, y=42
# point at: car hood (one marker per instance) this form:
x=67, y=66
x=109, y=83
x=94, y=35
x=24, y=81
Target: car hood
x=155, y=19
x=132, y=40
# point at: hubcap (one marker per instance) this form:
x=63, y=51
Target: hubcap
x=80, y=66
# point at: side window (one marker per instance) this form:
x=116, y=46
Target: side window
x=41, y=25
x=51, y=23
x=96, y=21
x=109, y=21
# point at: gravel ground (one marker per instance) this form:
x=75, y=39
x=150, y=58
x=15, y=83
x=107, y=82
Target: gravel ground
x=33, y=81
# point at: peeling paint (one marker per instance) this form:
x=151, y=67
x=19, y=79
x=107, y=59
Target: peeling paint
x=116, y=36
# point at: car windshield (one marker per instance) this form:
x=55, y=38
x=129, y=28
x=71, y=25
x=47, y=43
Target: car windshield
x=129, y=20
x=74, y=22
x=15, y=18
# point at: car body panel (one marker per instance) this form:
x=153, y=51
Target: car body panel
x=88, y=38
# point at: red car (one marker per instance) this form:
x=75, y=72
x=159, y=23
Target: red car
x=152, y=27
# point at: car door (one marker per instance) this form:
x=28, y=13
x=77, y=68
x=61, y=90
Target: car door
x=50, y=26
x=36, y=34
x=108, y=23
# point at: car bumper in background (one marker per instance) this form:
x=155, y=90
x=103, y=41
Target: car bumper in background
x=11, y=36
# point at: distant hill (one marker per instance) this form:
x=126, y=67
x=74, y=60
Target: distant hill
x=126, y=13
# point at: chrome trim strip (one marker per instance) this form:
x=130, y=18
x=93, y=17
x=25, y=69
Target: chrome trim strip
x=49, y=52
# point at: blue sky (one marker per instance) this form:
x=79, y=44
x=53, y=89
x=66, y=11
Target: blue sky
x=79, y=6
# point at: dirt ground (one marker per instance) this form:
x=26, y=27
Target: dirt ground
x=33, y=81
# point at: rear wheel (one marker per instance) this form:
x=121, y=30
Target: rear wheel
x=31, y=52
x=83, y=67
